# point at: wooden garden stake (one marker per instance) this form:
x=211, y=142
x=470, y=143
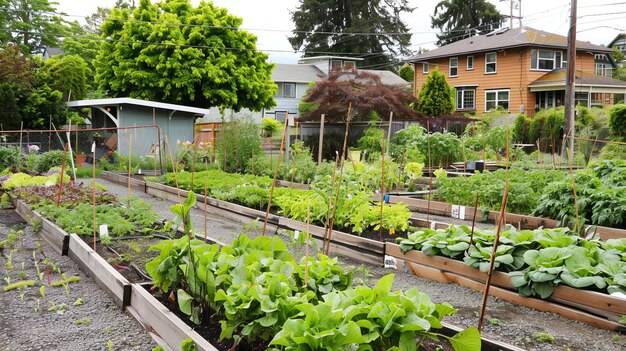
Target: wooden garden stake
x=69, y=147
x=205, y=213
x=343, y=159
x=382, y=190
x=61, y=178
x=321, y=141
x=473, y=221
x=93, y=191
x=169, y=148
x=306, y=255
x=538, y=153
x=330, y=200
x=252, y=160
x=269, y=202
x=571, y=171
x=130, y=156
x=430, y=173
x=193, y=161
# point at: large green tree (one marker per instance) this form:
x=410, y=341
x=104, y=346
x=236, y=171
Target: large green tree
x=372, y=29
x=458, y=19
x=435, y=98
x=68, y=74
x=174, y=52
x=32, y=24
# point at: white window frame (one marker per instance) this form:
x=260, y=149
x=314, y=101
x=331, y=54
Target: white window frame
x=461, y=92
x=494, y=62
x=468, y=66
x=456, y=67
x=425, y=67
x=349, y=65
x=336, y=65
x=553, y=59
x=497, y=101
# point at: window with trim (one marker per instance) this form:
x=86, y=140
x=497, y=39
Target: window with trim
x=490, y=62
x=454, y=67
x=495, y=98
x=470, y=63
x=335, y=65
x=581, y=99
x=546, y=60
x=286, y=90
x=425, y=67
x=465, y=98
x=349, y=65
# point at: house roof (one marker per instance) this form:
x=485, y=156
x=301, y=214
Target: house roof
x=296, y=73
x=137, y=102
x=387, y=77
x=329, y=57
x=53, y=51
x=557, y=78
x=502, y=39
x=618, y=37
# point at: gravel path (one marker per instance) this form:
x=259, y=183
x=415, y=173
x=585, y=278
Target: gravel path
x=54, y=320
x=509, y=323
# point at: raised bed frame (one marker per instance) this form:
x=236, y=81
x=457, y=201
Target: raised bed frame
x=161, y=323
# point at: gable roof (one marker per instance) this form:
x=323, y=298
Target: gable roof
x=296, y=73
x=387, y=77
x=53, y=51
x=137, y=102
x=502, y=39
x=618, y=37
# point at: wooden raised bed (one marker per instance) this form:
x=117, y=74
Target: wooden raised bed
x=353, y=246
x=467, y=213
x=597, y=309
x=56, y=237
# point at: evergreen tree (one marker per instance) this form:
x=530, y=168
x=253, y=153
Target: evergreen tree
x=32, y=24
x=458, y=19
x=192, y=63
x=407, y=73
x=436, y=97
x=68, y=74
x=344, y=26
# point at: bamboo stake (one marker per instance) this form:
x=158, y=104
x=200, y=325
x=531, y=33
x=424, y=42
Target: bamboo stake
x=205, y=212
x=69, y=147
x=269, y=202
x=473, y=221
x=93, y=176
x=306, y=255
x=496, y=241
x=193, y=160
x=61, y=178
x=382, y=191
x=430, y=173
x=50, y=134
x=330, y=200
x=130, y=156
x=343, y=159
x=252, y=160
x=169, y=148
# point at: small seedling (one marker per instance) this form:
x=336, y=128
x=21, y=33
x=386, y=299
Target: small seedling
x=19, y=285
x=109, y=330
x=38, y=307
x=42, y=291
x=495, y=321
x=60, y=308
x=36, y=226
x=83, y=321
x=7, y=279
x=110, y=345
x=65, y=281
x=78, y=302
x=22, y=295
x=544, y=337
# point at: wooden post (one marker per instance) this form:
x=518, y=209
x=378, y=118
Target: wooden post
x=321, y=141
x=69, y=146
x=21, y=129
x=49, y=133
x=193, y=161
x=330, y=200
x=269, y=202
x=343, y=159
x=93, y=191
x=61, y=178
x=571, y=172
x=205, y=213
x=430, y=173
x=252, y=161
x=130, y=155
x=473, y=221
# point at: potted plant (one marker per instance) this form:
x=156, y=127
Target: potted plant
x=81, y=157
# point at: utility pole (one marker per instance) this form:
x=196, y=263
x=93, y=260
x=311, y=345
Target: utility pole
x=511, y=15
x=568, y=125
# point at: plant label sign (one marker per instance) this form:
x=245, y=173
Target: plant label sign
x=296, y=234
x=457, y=212
x=104, y=230
x=390, y=262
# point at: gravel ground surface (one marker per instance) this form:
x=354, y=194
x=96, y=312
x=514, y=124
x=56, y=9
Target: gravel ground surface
x=509, y=323
x=28, y=320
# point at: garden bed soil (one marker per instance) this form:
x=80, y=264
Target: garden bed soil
x=53, y=320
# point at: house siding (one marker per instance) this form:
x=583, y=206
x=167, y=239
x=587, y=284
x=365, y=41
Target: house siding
x=513, y=72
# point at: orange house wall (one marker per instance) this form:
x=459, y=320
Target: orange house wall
x=512, y=72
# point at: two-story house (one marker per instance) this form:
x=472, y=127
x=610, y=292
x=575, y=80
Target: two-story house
x=619, y=43
x=521, y=70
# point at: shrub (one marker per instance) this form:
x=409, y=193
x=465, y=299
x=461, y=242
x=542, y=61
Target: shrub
x=10, y=156
x=617, y=121
x=371, y=141
x=236, y=144
x=270, y=126
x=48, y=160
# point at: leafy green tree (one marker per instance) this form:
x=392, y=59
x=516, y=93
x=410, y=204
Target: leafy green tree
x=617, y=55
x=68, y=74
x=435, y=98
x=407, y=73
x=617, y=121
x=196, y=64
x=458, y=19
x=326, y=26
x=32, y=24
x=86, y=45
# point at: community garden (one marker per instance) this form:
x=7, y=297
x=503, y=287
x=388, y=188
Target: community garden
x=256, y=292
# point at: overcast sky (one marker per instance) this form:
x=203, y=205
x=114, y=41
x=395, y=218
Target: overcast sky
x=599, y=21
